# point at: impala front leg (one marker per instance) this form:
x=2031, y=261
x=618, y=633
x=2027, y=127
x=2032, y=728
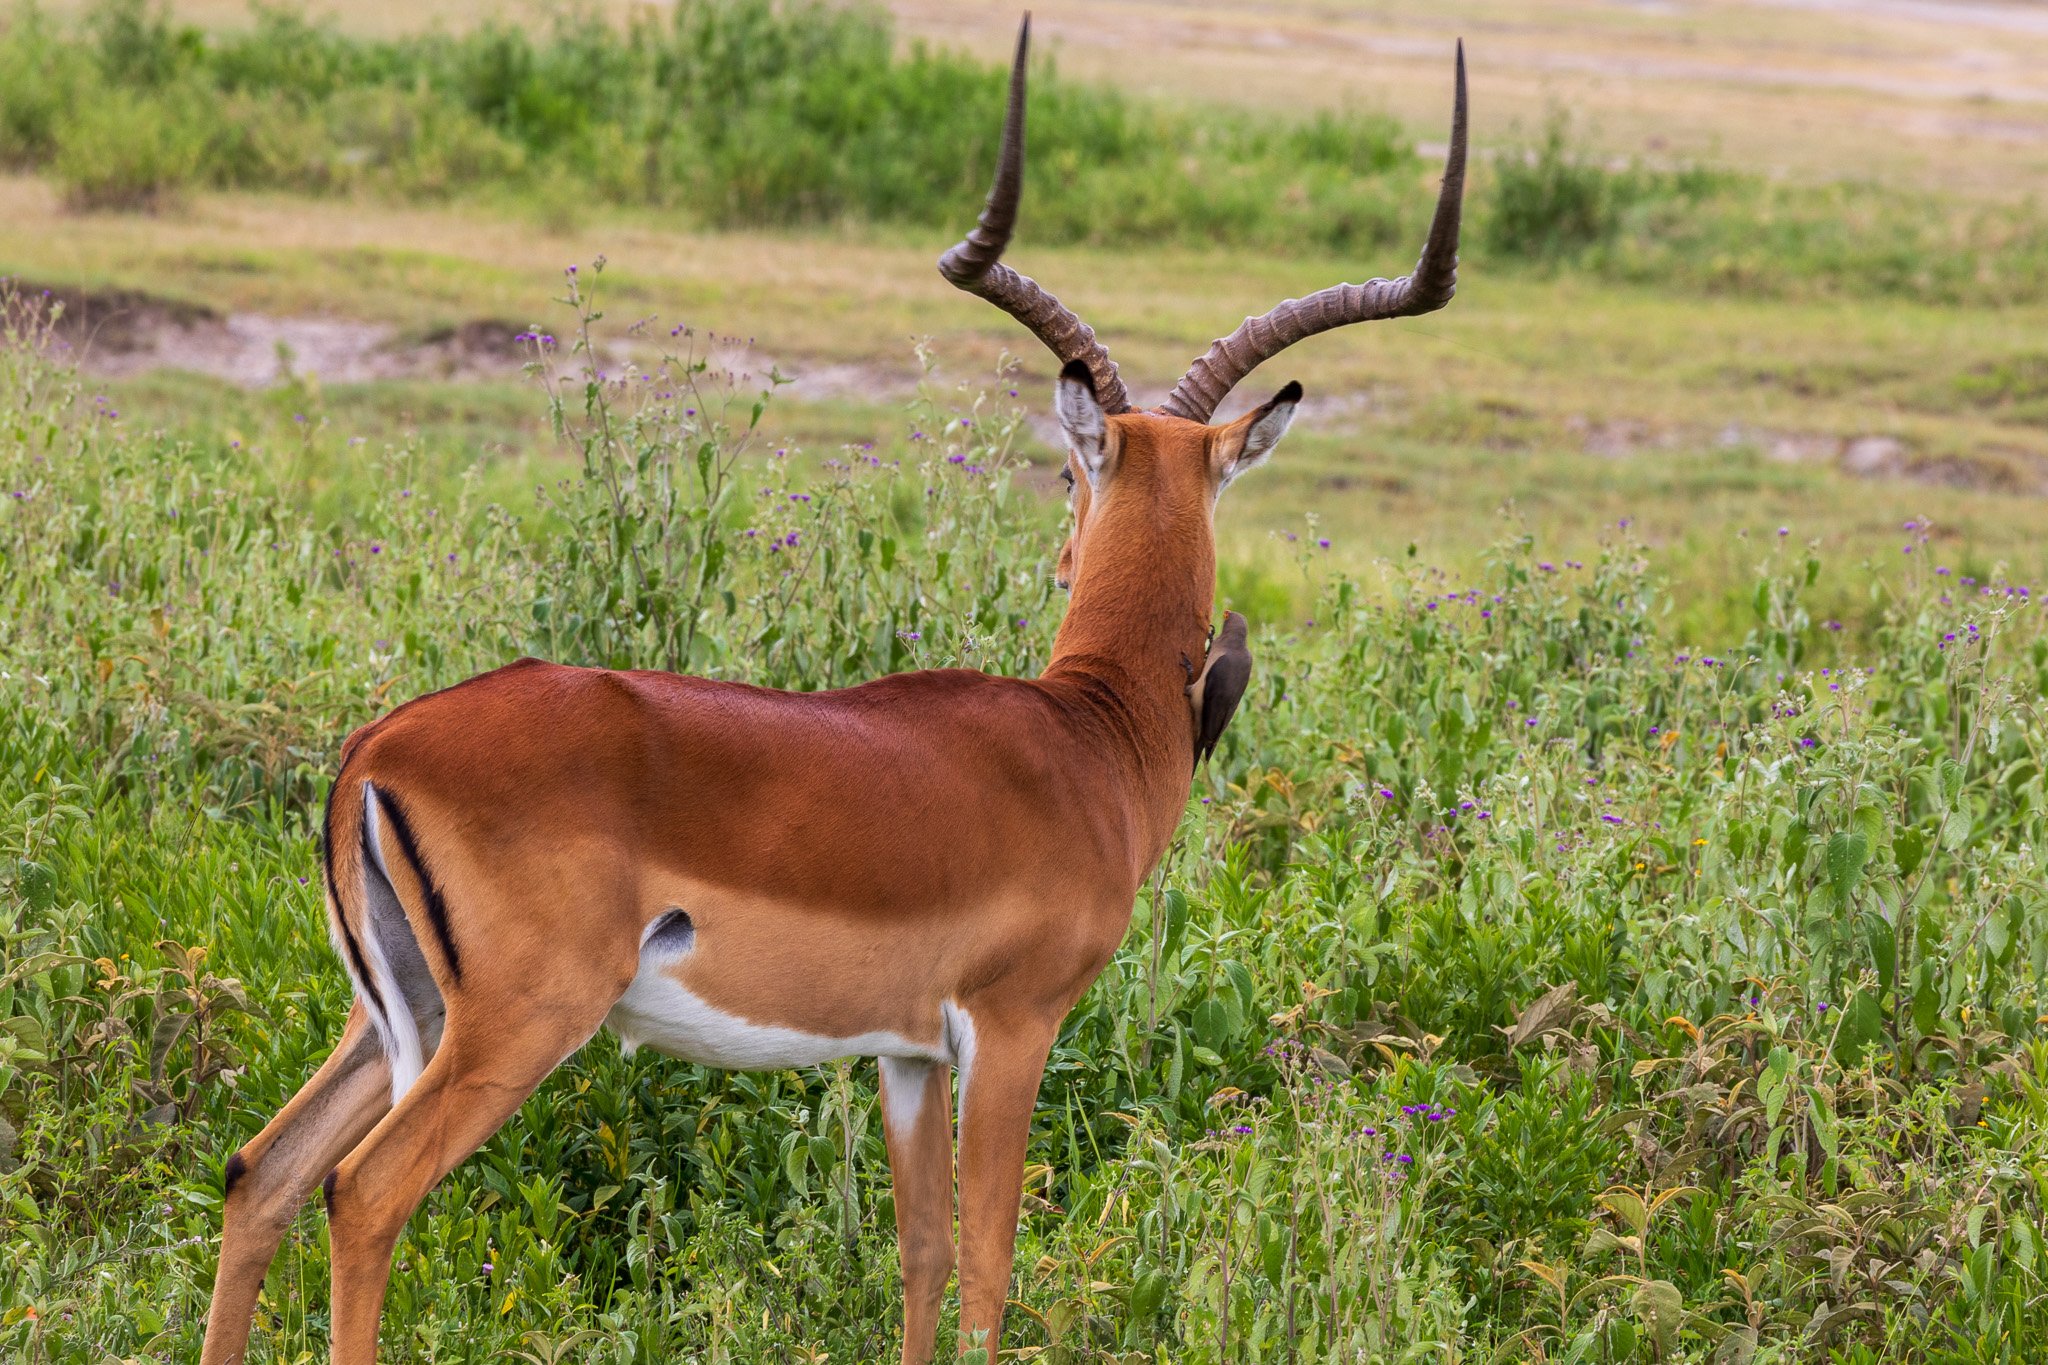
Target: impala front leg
x=999, y=1081
x=917, y=1119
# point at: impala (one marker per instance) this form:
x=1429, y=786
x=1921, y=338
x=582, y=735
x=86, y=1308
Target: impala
x=928, y=869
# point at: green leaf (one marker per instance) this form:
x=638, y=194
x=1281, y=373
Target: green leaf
x=1997, y=936
x=1660, y=1308
x=1845, y=858
x=1882, y=938
x=1247, y=990
x=1776, y=1082
x=1176, y=923
x=1955, y=831
x=1926, y=998
x=38, y=885
x=1909, y=849
x=2026, y=1244
x=1211, y=1023
x=1792, y=844
x=1862, y=1025
x=1600, y=1241
x=1147, y=1295
x=1737, y=1348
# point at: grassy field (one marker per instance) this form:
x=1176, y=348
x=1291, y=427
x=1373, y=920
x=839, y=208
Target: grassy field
x=1694, y=998
x=1949, y=96
x=1580, y=402
x=1646, y=779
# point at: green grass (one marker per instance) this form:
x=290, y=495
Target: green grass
x=1721, y=956
x=766, y=113
x=739, y=112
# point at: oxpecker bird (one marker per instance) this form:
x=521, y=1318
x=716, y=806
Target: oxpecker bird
x=1214, y=696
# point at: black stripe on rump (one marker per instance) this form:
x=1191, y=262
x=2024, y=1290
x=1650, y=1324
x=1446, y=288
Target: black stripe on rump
x=348, y=936
x=437, y=908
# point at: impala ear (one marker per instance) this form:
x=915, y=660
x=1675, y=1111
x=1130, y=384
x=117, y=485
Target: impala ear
x=1082, y=421
x=1251, y=438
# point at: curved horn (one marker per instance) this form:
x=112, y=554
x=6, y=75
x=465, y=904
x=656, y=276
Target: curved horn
x=976, y=266
x=1259, y=339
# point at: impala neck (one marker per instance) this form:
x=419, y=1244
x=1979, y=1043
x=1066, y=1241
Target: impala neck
x=1136, y=622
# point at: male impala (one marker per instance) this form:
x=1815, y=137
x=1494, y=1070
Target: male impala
x=929, y=868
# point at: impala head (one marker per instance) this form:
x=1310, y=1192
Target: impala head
x=1170, y=459
x=1172, y=467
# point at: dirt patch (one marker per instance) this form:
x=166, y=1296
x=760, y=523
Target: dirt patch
x=116, y=321
x=120, y=333
x=1619, y=440
x=481, y=341
x=1875, y=456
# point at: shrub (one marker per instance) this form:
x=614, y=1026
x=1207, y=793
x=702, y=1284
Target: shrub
x=1551, y=201
x=418, y=141
x=137, y=46
x=746, y=113
x=266, y=138
x=40, y=72
x=742, y=112
x=127, y=150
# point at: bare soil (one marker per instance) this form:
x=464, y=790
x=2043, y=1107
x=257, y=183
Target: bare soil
x=120, y=333
x=123, y=332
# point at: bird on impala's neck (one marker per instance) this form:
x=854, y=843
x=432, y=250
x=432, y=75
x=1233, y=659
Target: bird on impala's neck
x=1213, y=697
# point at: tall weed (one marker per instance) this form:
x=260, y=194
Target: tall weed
x=1525, y=981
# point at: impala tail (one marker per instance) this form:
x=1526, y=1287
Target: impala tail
x=380, y=894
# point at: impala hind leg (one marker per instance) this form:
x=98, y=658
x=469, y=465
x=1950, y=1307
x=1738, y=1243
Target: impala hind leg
x=269, y=1179
x=492, y=1056
x=997, y=1092
x=917, y=1121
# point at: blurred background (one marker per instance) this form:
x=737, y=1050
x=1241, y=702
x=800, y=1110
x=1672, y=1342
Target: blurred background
x=1730, y=265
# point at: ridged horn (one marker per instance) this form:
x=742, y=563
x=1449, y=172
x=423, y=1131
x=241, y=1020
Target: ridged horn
x=1257, y=340
x=976, y=265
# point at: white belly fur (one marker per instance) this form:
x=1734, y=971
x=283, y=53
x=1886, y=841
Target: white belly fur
x=657, y=1011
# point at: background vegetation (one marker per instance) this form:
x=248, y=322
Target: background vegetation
x=748, y=113
x=1526, y=981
